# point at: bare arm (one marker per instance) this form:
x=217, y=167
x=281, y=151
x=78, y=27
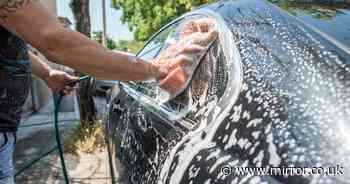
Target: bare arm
x=31, y=20
x=55, y=79
x=39, y=68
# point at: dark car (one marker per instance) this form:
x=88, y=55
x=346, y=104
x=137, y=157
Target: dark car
x=102, y=86
x=269, y=102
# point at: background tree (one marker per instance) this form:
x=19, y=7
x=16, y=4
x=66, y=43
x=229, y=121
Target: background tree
x=132, y=46
x=80, y=9
x=145, y=17
x=122, y=45
x=97, y=36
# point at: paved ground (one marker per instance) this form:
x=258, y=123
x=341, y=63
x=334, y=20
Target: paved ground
x=34, y=141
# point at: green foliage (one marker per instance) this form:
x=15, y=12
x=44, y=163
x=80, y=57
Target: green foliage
x=129, y=46
x=323, y=10
x=122, y=45
x=145, y=17
x=97, y=36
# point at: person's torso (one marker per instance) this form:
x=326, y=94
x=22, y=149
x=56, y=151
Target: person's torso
x=15, y=79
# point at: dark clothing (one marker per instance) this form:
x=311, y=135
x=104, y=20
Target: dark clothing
x=15, y=79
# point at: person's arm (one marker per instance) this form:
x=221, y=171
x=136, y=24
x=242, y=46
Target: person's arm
x=31, y=20
x=55, y=79
x=39, y=67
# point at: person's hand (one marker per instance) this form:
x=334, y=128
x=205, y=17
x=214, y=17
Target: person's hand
x=58, y=80
x=190, y=46
x=176, y=62
x=165, y=65
x=203, y=25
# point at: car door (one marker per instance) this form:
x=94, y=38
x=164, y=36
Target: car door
x=146, y=123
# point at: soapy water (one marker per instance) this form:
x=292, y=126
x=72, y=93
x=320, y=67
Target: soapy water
x=291, y=108
x=166, y=46
x=203, y=33
x=180, y=76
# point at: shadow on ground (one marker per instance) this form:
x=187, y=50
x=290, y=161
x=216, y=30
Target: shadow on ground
x=48, y=168
x=82, y=168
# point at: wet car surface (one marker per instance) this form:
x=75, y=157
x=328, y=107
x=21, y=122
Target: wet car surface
x=273, y=91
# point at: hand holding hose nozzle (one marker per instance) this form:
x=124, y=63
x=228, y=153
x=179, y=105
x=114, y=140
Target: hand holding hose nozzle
x=68, y=87
x=59, y=81
x=85, y=77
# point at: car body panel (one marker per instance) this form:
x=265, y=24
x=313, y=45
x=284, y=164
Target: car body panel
x=279, y=98
x=104, y=85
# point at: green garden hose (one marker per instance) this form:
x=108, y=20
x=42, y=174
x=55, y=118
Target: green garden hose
x=32, y=162
x=57, y=101
x=57, y=97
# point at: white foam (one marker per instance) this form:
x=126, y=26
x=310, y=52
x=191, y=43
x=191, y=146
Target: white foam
x=275, y=159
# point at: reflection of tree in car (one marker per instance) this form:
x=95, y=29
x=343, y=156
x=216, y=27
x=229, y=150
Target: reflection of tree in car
x=326, y=10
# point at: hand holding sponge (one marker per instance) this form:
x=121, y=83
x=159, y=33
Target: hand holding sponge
x=182, y=58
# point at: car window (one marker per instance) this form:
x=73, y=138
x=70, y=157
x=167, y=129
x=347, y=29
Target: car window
x=159, y=42
x=155, y=48
x=208, y=84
